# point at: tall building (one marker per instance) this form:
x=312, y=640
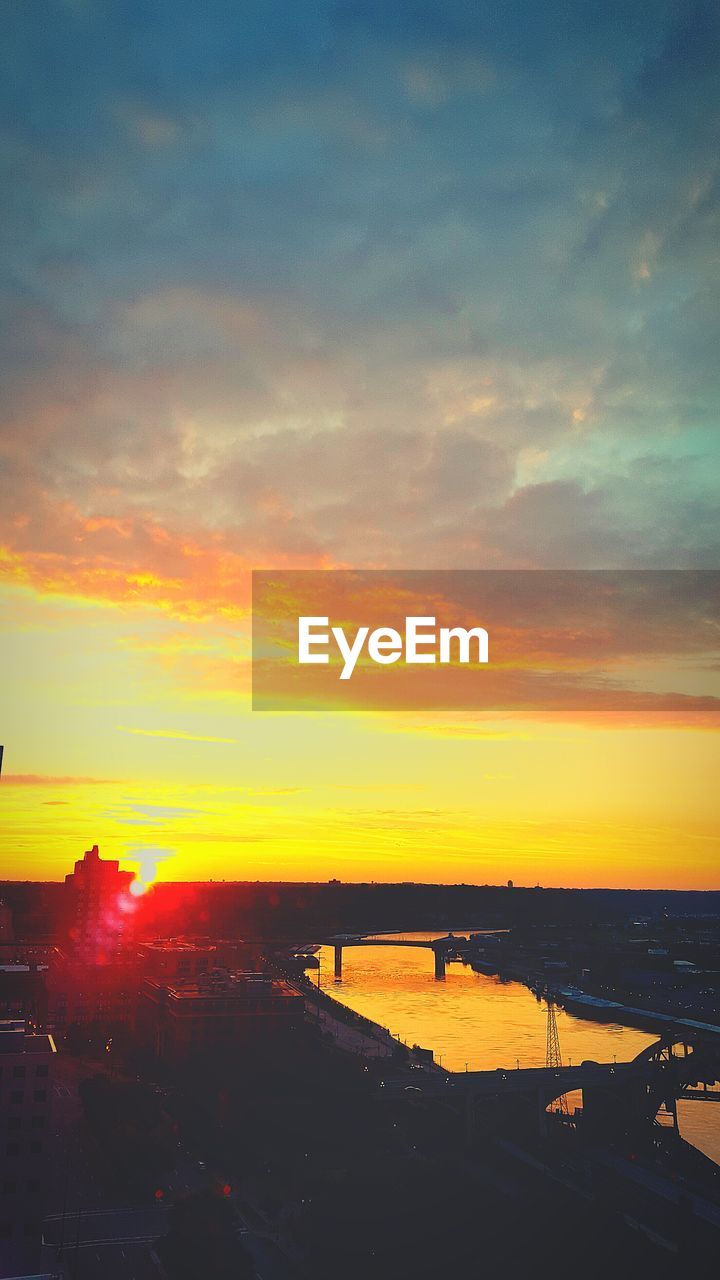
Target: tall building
x=99, y=908
x=26, y=1072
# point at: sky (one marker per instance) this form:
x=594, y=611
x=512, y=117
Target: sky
x=355, y=285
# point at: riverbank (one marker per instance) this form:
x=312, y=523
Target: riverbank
x=355, y=1033
x=596, y=1008
x=603, y=1010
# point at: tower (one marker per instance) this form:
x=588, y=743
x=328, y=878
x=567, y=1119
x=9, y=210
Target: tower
x=553, y=1056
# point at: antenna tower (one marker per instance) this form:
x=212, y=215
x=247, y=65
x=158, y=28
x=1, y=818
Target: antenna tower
x=553, y=1056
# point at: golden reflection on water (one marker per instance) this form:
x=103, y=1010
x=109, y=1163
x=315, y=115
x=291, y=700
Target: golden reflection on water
x=480, y=1022
x=468, y=1018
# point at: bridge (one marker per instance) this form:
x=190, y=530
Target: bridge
x=450, y=947
x=621, y=1099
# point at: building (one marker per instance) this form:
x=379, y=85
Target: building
x=103, y=998
x=80, y=994
x=180, y=958
x=99, y=908
x=26, y=1073
x=23, y=992
x=218, y=1010
x=92, y=980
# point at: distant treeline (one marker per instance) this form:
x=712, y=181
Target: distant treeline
x=302, y=912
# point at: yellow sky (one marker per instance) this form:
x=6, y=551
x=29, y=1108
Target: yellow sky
x=130, y=728
x=371, y=292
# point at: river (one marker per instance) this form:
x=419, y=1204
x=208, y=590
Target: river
x=479, y=1022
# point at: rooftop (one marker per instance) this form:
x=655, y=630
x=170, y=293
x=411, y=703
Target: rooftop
x=223, y=983
x=187, y=944
x=15, y=1038
x=178, y=944
x=22, y=968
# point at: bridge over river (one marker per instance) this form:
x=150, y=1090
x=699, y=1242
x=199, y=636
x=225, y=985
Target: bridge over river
x=450, y=947
x=620, y=1098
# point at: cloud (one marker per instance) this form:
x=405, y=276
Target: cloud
x=311, y=284
x=175, y=733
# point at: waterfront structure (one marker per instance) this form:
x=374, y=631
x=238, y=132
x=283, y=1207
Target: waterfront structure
x=26, y=1074
x=174, y=959
x=99, y=907
x=216, y=1011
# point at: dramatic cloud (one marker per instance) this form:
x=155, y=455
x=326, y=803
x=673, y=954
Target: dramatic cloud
x=354, y=284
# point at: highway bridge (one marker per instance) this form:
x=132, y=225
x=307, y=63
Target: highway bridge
x=450, y=947
x=621, y=1099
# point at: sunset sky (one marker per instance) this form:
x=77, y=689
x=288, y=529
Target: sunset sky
x=318, y=285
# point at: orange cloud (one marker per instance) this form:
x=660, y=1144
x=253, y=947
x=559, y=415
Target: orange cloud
x=135, y=561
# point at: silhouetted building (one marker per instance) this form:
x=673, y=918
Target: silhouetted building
x=26, y=1070
x=214, y=1012
x=99, y=908
x=182, y=958
x=83, y=995
x=23, y=992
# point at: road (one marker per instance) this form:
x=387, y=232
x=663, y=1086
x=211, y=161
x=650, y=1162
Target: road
x=78, y=1229
x=98, y=1239
x=114, y=1244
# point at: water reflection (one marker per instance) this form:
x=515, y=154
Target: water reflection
x=480, y=1023
x=469, y=1018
